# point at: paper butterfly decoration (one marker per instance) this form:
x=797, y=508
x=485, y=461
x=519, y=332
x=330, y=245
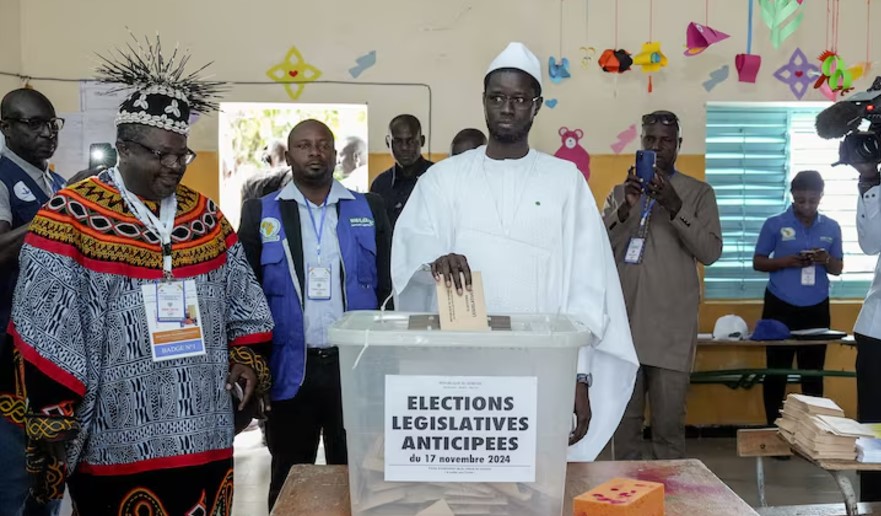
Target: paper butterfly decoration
x=558, y=71
x=798, y=73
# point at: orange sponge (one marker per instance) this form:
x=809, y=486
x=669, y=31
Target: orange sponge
x=621, y=497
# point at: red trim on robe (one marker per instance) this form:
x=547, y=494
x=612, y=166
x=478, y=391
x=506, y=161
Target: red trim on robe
x=46, y=366
x=176, y=461
x=254, y=338
x=125, y=269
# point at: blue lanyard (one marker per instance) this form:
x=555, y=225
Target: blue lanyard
x=646, y=211
x=319, y=230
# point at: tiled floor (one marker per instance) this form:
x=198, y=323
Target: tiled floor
x=792, y=482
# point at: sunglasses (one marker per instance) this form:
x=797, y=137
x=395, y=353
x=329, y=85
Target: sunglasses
x=660, y=118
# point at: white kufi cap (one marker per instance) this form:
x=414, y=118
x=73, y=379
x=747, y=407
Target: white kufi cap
x=517, y=56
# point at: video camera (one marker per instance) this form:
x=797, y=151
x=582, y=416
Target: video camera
x=844, y=118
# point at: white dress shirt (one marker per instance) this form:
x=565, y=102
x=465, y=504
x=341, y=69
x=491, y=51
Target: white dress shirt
x=869, y=234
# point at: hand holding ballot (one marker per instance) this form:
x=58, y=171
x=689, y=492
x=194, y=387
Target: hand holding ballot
x=452, y=267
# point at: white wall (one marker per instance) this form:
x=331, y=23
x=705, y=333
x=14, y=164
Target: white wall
x=10, y=43
x=447, y=44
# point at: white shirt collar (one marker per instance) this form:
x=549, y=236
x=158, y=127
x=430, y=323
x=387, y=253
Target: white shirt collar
x=337, y=192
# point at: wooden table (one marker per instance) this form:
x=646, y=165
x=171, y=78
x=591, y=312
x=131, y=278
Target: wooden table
x=691, y=489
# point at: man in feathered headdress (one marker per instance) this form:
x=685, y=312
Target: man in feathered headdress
x=140, y=324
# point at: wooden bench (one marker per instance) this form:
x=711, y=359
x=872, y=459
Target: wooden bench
x=766, y=442
x=761, y=443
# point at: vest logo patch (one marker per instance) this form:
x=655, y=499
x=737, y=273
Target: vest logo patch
x=826, y=239
x=270, y=227
x=787, y=234
x=23, y=192
x=361, y=222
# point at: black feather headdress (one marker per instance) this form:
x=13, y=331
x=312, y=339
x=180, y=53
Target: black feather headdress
x=163, y=93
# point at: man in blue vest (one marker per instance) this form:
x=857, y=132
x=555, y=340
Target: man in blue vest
x=30, y=129
x=318, y=249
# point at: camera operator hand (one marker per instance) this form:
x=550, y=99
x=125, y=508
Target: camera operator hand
x=869, y=175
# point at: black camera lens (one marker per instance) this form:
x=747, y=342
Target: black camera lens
x=868, y=147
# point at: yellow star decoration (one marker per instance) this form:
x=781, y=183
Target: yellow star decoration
x=294, y=73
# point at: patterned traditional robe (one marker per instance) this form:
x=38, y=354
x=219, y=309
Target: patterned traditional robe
x=154, y=435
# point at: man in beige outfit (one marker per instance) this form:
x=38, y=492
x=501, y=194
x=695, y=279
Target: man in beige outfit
x=659, y=232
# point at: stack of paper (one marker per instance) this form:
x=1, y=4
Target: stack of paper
x=817, y=427
x=869, y=448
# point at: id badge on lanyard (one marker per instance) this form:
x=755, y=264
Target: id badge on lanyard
x=174, y=321
x=319, y=276
x=636, y=247
x=809, y=276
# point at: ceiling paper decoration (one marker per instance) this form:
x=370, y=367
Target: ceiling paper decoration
x=294, y=72
x=748, y=64
x=615, y=61
x=716, y=77
x=558, y=71
x=363, y=63
x=699, y=37
x=783, y=17
x=798, y=73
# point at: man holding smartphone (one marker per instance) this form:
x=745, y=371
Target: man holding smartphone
x=799, y=248
x=660, y=229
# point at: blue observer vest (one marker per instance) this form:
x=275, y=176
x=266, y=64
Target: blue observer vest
x=356, y=232
x=25, y=200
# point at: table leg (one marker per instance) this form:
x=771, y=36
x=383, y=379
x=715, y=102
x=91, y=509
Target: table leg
x=760, y=481
x=850, y=498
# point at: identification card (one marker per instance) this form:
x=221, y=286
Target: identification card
x=170, y=301
x=809, y=276
x=182, y=337
x=634, y=250
x=318, y=281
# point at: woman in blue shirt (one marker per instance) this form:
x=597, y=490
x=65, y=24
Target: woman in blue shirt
x=799, y=248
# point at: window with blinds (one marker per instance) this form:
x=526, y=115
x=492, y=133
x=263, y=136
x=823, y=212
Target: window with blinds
x=752, y=153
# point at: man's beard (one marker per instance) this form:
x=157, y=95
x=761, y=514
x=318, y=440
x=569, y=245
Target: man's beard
x=514, y=136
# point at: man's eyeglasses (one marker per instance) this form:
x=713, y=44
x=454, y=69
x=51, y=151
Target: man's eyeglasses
x=499, y=100
x=168, y=159
x=36, y=124
x=660, y=118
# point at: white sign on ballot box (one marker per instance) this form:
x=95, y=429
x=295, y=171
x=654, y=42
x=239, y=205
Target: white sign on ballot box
x=460, y=428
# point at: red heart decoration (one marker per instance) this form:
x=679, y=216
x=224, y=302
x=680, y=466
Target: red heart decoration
x=293, y=73
x=799, y=73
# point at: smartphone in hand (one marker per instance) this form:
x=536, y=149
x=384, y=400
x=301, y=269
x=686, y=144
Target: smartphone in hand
x=645, y=165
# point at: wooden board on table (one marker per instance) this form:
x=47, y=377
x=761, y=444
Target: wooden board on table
x=761, y=442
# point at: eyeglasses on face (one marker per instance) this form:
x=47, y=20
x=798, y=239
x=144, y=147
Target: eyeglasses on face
x=498, y=100
x=36, y=124
x=168, y=159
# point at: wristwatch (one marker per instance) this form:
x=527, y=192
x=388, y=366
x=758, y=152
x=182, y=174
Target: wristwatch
x=586, y=379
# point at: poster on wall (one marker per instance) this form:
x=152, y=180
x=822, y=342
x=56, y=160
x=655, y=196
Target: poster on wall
x=253, y=142
x=460, y=428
